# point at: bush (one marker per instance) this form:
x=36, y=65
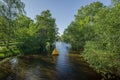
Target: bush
x=104, y=62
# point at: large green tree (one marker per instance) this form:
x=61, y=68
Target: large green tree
x=46, y=29
x=103, y=52
x=81, y=29
x=96, y=29
x=38, y=36
x=9, y=9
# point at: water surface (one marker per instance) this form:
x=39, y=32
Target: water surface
x=35, y=67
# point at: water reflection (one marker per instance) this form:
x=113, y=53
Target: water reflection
x=63, y=67
x=62, y=62
x=32, y=73
x=14, y=61
x=63, y=48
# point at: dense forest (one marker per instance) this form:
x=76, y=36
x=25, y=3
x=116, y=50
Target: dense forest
x=95, y=33
x=19, y=33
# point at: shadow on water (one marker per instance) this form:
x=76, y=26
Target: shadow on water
x=63, y=67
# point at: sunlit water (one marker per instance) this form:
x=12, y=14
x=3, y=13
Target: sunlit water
x=63, y=67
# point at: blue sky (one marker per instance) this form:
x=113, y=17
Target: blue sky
x=62, y=10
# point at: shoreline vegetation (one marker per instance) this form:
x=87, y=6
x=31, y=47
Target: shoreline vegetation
x=94, y=34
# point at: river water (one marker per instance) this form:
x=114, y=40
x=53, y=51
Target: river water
x=35, y=67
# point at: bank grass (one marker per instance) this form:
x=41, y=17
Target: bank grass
x=4, y=60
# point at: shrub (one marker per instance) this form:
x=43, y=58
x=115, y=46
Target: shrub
x=104, y=62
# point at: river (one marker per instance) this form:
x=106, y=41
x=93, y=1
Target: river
x=35, y=67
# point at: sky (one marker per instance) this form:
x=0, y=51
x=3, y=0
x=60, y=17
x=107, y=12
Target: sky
x=62, y=10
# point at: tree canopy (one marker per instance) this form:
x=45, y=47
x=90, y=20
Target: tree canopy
x=96, y=32
x=20, y=34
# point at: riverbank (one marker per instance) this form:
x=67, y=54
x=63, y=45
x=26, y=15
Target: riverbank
x=4, y=60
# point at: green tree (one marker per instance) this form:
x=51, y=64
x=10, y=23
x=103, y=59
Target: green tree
x=103, y=52
x=81, y=29
x=25, y=33
x=9, y=9
x=35, y=37
x=46, y=29
x=96, y=29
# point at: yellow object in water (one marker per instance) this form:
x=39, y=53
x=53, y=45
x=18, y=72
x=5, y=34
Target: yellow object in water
x=55, y=52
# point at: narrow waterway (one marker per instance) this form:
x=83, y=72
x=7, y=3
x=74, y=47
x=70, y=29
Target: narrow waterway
x=34, y=67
